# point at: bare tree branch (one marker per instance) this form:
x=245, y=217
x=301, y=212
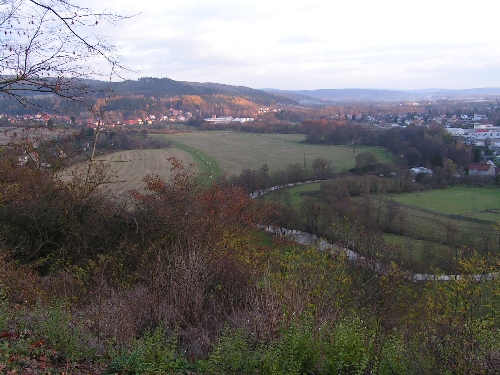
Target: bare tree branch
x=50, y=47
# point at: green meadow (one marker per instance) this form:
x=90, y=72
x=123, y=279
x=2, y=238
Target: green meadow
x=479, y=203
x=233, y=151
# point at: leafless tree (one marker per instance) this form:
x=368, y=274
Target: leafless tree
x=51, y=47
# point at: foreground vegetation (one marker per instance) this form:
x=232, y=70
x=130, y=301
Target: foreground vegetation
x=185, y=283
x=127, y=169
x=178, y=279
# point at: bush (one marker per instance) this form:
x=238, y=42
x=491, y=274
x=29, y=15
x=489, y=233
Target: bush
x=393, y=359
x=296, y=352
x=129, y=363
x=350, y=348
x=4, y=307
x=153, y=354
x=234, y=353
x=56, y=324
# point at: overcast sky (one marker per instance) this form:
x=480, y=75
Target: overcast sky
x=311, y=44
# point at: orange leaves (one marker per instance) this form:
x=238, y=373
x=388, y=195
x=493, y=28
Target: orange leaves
x=223, y=210
x=188, y=100
x=184, y=209
x=25, y=353
x=8, y=335
x=37, y=344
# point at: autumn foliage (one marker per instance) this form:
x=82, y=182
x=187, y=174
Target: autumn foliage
x=178, y=278
x=184, y=211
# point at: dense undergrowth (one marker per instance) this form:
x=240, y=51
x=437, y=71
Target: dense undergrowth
x=180, y=281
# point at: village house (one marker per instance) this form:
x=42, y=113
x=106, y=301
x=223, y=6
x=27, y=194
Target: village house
x=483, y=137
x=419, y=170
x=495, y=147
x=487, y=169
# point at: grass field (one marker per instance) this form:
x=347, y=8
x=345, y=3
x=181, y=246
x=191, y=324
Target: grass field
x=476, y=203
x=215, y=153
x=433, y=227
x=480, y=203
x=416, y=251
x=297, y=193
x=131, y=166
x=234, y=151
x=206, y=164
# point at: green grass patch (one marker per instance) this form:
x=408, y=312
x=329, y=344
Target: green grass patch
x=420, y=236
x=235, y=151
x=479, y=203
x=297, y=193
x=434, y=226
x=421, y=254
x=206, y=164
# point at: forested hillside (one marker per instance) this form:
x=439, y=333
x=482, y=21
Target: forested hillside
x=157, y=96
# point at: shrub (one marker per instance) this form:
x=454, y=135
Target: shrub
x=154, y=353
x=393, y=359
x=129, y=363
x=4, y=307
x=56, y=324
x=233, y=353
x=350, y=348
x=296, y=352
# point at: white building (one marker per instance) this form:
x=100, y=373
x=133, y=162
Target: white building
x=242, y=119
x=219, y=120
x=418, y=170
x=481, y=136
x=456, y=131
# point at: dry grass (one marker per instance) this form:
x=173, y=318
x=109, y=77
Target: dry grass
x=128, y=168
x=131, y=166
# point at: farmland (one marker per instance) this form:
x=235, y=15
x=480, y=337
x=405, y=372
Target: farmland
x=234, y=151
x=298, y=192
x=474, y=203
x=128, y=168
x=216, y=153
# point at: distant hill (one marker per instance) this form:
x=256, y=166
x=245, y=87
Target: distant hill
x=387, y=95
x=157, y=95
x=165, y=87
